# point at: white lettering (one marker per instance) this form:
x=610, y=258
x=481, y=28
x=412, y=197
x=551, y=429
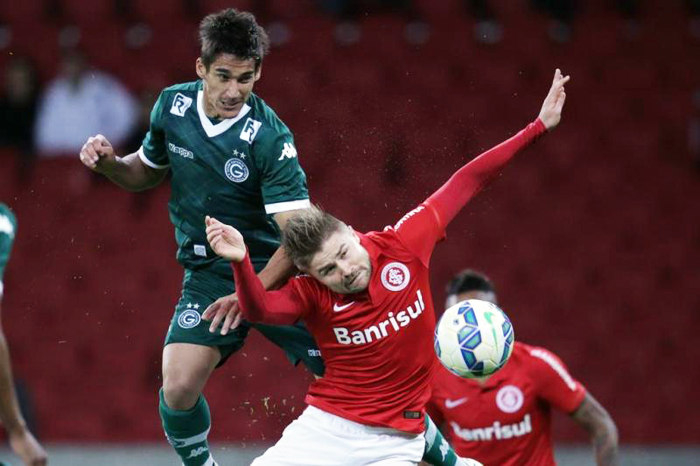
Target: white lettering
x=381, y=329
x=407, y=216
x=341, y=334
x=495, y=431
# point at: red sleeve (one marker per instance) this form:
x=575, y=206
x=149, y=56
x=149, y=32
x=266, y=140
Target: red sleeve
x=468, y=180
x=280, y=307
x=555, y=384
x=419, y=230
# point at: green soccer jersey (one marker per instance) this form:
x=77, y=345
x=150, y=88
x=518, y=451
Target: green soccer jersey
x=8, y=227
x=240, y=170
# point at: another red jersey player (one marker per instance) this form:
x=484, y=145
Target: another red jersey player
x=366, y=299
x=505, y=419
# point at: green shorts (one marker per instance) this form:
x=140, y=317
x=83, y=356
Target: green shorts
x=200, y=288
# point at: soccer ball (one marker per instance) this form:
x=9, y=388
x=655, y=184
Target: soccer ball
x=474, y=338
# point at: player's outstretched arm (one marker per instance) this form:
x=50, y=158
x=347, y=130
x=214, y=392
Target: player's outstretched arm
x=595, y=419
x=471, y=178
x=129, y=171
x=21, y=439
x=224, y=313
x=255, y=303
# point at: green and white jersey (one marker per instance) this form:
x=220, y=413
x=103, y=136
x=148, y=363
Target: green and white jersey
x=240, y=170
x=8, y=227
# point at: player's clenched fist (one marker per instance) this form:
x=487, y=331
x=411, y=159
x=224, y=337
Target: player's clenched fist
x=225, y=240
x=96, y=151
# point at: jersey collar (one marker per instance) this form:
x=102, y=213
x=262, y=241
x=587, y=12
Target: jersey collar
x=216, y=129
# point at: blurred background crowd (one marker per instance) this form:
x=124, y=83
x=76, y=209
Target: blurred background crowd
x=594, y=234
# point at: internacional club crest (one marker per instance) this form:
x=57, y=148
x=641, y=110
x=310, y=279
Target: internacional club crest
x=236, y=170
x=395, y=276
x=190, y=318
x=509, y=399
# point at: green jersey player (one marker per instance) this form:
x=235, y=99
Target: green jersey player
x=231, y=156
x=21, y=439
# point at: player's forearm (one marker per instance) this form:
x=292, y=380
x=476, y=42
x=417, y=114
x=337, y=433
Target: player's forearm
x=278, y=270
x=604, y=439
x=259, y=305
x=131, y=174
x=10, y=414
x=471, y=178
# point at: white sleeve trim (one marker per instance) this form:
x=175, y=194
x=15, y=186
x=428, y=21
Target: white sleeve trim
x=286, y=206
x=2, y=288
x=558, y=368
x=145, y=160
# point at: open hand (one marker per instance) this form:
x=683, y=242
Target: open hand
x=225, y=240
x=550, y=114
x=225, y=308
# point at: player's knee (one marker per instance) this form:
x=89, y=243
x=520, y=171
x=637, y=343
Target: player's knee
x=180, y=393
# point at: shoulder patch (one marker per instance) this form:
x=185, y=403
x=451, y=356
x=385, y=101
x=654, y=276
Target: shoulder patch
x=180, y=104
x=288, y=151
x=250, y=130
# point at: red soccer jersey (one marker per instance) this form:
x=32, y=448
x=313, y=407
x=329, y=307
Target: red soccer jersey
x=507, y=421
x=378, y=345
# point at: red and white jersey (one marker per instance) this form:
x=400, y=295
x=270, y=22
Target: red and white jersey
x=506, y=421
x=378, y=345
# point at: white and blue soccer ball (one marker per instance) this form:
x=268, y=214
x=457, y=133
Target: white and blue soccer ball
x=474, y=338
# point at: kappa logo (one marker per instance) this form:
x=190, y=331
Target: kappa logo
x=180, y=105
x=288, y=151
x=444, y=448
x=337, y=308
x=509, y=399
x=181, y=151
x=450, y=404
x=395, y=276
x=236, y=170
x=250, y=130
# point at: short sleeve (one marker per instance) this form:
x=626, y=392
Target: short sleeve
x=419, y=230
x=283, y=182
x=555, y=385
x=152, y=151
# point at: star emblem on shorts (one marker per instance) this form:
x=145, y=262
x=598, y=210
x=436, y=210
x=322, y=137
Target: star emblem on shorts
x=239, y=154
x=194, y=306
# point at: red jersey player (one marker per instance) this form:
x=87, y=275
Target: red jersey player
x=505, y=419
x=366, y=299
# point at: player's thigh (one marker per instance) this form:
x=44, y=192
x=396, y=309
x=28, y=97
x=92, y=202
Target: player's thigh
x=188, y=365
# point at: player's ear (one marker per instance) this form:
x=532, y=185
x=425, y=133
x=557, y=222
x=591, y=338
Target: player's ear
x=258, y=72
x=200, y=68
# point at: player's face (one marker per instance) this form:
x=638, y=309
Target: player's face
x=227, y=84
x=474, y=294
x=342, y=264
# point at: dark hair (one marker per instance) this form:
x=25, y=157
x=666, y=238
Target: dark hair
x=233, y=32
x=469, y=280
x=304, y=234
